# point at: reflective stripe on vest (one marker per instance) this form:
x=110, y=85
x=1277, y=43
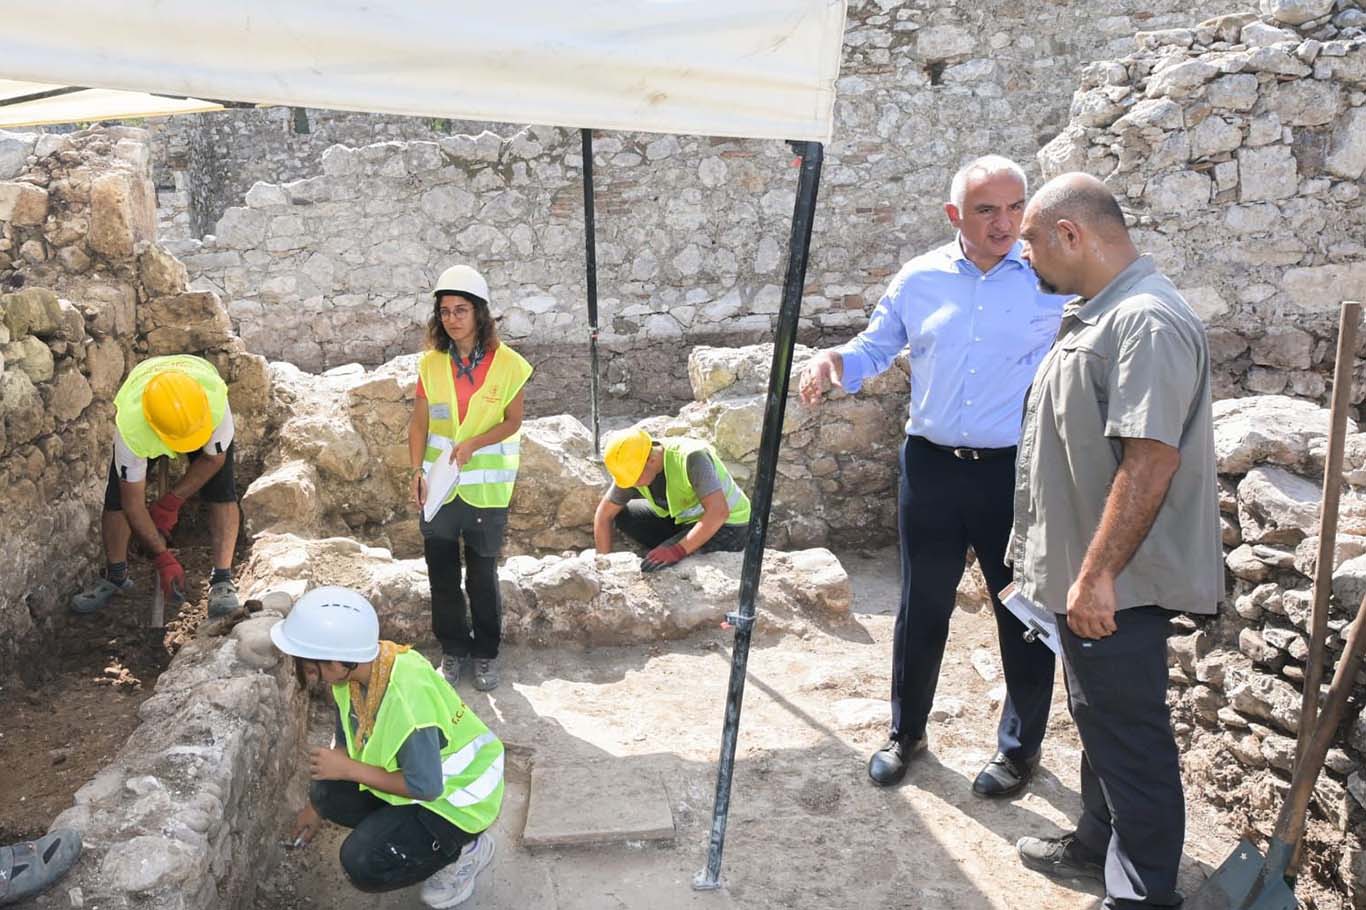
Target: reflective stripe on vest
x=137, y=434
x=481, y=787
x=471, y=761
x=487, y=479
x=682, y=503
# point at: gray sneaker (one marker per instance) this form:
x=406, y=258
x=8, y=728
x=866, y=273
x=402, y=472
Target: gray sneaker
x=96, y=598
x=31, y=867
x=485, y=674
x=1060, y=857
x=450, y=668
x=454, y=884
x=223, y=598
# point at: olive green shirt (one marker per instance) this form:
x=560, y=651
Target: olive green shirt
x=1132, y=362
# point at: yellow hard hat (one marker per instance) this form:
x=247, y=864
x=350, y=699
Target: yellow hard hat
x=625, y=455
x=177, y=410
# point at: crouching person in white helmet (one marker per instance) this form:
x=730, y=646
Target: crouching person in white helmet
x=412, y=771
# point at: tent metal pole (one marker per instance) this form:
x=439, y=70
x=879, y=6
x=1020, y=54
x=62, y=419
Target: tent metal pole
x=785, y=340
x=590, y=248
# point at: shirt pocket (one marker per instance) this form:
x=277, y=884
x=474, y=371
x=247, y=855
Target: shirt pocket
x=1077, y=381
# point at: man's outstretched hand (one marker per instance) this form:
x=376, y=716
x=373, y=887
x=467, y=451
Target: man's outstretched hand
x=666, y=554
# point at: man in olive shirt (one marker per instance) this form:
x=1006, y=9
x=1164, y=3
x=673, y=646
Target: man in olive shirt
x=1117, y=528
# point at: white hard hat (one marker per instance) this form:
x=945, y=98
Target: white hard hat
x=461, y=279
x=329, y=623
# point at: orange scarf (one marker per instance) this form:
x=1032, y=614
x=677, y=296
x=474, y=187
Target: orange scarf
x=366, y=704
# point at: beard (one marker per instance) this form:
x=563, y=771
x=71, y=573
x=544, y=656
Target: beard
x=1045, y=285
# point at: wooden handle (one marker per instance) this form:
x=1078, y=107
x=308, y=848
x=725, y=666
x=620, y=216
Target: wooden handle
x=1290, y=823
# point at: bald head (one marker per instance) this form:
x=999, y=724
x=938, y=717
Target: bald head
x=1082, y=200
x=1074, y=235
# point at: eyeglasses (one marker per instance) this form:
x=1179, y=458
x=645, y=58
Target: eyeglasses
x=456, y=312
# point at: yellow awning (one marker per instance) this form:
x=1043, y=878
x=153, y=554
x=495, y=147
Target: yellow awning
x=38, y=103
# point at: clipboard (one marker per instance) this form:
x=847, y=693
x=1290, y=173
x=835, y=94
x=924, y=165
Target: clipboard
x=443, y=475
x=1040, y=625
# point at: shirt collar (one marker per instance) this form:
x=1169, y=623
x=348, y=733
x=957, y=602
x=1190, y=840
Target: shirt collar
x=1089, y=311
x=956, y=254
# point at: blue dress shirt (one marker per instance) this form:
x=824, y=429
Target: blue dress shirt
x=975, y=340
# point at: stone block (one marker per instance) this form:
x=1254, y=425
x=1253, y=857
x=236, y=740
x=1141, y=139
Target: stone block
x=1267, y=173
x=14, y=151
x=68, y=395
x=1272, y=429
x=1322, y=288
x=595, y=803
x=161, y=273
x=1181, y=192
x=23, y=204
x=32, y=311
x=29, y=356
x=117, y=222
x=283, y=499
x=1277, y=507
x=192, y=322
x=1296, y=12
x=1284, y=346
x=1347, y=150
x=21, y=407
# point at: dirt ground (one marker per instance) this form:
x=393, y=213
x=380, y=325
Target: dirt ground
x=81, y=702
x=807, y=829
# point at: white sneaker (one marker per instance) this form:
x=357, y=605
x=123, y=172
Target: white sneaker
x=454, y=884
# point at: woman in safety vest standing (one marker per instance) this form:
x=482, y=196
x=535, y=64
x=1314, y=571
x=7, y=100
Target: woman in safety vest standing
x=412, y=770
x=468, y=410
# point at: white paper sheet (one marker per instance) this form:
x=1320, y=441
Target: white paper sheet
x=442, y=476
x=1041, y=624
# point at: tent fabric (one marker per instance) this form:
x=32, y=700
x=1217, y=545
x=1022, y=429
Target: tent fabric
x=740, y=68
x=85, y=104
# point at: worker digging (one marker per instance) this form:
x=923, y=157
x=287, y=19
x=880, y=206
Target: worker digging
x=168, y=407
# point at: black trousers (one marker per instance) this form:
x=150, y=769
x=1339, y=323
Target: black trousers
x=945, y=505
x=1133, y=807
x=481, y=533
x=390, y=846
x=639, y=522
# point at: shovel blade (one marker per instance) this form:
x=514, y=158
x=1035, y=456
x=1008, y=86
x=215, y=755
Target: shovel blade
x=1228, y=888
x=1234, y=885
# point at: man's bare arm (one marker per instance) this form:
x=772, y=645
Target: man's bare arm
x=1136, y=495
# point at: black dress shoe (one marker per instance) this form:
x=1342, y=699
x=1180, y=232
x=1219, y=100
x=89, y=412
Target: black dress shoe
x=1004, y=777
x=888, y=764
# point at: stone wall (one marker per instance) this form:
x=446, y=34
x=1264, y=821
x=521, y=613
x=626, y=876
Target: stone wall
x=325, y=262
x=1238, y=677
x=1238, y=148
x=89, y=296
x=338, y=459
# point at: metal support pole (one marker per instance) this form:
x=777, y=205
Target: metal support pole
x=590, y=248
x=799, y=247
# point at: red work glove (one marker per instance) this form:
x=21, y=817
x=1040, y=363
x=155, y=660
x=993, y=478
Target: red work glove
x=666, y=554
x=165, y=513
x=171, y=575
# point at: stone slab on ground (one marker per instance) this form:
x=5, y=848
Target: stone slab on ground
x=595, y=803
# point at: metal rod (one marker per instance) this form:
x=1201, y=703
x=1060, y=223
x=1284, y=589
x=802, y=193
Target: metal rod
x=590, y=249
x=1348, y=322
x=785, y=340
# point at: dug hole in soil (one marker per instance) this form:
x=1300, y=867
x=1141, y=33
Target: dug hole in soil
x=78, y=701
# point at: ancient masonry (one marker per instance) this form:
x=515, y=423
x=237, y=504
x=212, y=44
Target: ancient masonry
x=325, y=260
x=1235, y=143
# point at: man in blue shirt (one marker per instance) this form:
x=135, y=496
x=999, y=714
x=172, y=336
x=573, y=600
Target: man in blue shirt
x=976, y=326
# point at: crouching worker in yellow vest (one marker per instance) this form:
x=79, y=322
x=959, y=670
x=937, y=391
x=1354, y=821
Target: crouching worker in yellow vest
x=468, y=411
x=673, y=497
x=412, y=771
x=169, y=406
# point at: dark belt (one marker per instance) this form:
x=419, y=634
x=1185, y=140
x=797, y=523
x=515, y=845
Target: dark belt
x=968, y=453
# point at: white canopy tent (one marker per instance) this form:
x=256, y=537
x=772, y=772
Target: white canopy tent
x=762, y=69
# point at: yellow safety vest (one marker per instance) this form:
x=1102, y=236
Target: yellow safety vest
x=137, y=433
x=471, y=760
x=486, y=480
x=682, y=503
